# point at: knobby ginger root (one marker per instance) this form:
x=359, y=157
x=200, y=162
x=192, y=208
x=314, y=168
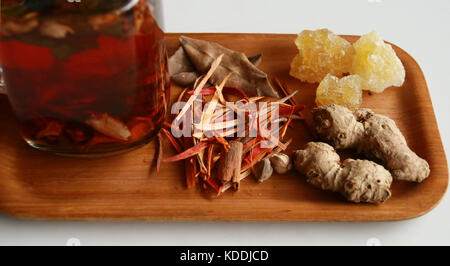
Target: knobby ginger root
x=376, y=136
x=357, y=180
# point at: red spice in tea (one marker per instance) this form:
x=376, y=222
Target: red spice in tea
x=85, y=82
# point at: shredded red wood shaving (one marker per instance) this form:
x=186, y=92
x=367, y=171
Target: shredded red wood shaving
x=227, y=90
x=172, y=140
x=212, y=183
x=288, y=110
x=191, y=173
x=224, y=142
x=199, y=164
x=188, y=153
x=209, y=160
x=160, y=153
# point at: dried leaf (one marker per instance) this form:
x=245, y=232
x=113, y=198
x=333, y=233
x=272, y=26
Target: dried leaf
x=246, y=76
x=184, y=79
x=183, y=72
x=255, y=59
x=180, y=63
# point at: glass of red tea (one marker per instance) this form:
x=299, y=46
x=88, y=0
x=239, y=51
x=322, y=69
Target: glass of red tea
x=85, y=77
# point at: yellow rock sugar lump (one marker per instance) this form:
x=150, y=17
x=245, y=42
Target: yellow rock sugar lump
x=377, y=63
x=346, y=91
x=321, y=52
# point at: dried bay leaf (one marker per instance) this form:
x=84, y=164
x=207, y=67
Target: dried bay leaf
x=179, y=63
x=181, y=70
x=183, y=73
x=255, y=60
x=245, y=76
x=185, y=79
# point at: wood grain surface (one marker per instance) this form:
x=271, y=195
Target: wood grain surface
x=38, y=185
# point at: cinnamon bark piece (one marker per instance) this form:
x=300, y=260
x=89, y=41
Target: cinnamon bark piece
x=230, y=163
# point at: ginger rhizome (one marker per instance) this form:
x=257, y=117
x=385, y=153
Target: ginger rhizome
x=376, y=136
x=356, y=180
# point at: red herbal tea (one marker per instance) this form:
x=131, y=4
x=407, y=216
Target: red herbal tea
x=86, y=78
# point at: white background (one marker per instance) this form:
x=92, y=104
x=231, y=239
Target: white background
x=422, y=28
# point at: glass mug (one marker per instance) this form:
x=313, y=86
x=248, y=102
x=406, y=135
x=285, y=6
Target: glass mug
x=84, y=77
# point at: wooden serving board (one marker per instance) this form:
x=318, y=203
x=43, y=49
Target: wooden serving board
x=38, y=185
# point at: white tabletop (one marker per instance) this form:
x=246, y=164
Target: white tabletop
x=420, y=27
